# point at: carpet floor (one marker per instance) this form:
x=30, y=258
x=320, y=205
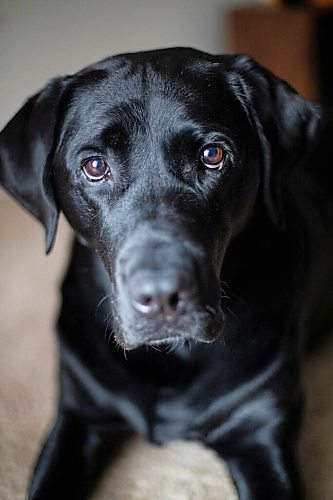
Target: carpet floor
x=28, y=371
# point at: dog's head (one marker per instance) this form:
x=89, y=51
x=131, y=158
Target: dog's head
x=157, y=160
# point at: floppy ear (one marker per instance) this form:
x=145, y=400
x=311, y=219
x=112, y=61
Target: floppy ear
x=25, y=144
x=287, y=126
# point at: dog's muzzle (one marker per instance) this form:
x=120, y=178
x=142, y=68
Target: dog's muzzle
x=163, y=291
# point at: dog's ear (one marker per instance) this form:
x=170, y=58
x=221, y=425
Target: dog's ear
x=25, y=144
x=287, y=126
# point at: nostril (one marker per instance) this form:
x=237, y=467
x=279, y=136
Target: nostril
x=147, y=305
x=173, y=301
x=145, y=300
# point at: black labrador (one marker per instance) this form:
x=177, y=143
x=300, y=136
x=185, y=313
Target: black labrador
x=199, y=188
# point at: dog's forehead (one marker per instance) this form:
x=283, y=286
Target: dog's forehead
x=159, y=93
x=177, y=81
x=164, y=69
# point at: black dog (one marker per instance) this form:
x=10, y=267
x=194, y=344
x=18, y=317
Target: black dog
x=199, y=190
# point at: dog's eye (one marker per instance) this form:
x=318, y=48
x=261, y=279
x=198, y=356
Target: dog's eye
x=213, y=157
x=96, y=169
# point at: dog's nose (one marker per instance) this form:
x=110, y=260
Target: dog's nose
x=155, y=294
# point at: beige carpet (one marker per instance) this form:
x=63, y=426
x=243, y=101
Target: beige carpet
x=179, y=471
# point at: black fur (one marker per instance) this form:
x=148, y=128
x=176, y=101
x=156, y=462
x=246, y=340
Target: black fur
x=209, y=280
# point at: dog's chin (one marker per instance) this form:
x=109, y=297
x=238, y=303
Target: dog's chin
x=175, y=339
x=172, y=341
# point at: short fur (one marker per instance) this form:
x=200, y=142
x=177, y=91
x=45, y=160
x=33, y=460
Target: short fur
x=238, y=259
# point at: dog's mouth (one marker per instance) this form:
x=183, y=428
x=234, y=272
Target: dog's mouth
x=198, y=328
x=173, y=341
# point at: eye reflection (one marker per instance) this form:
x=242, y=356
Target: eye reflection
x=212, y=157
x=96, y=169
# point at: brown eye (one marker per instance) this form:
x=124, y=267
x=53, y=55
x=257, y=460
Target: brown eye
x=96, y=169
x=213, y=157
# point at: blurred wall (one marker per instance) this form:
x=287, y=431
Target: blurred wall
x=40, y=39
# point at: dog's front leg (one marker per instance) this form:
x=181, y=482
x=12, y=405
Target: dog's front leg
x=260, y=450
x=73, y=458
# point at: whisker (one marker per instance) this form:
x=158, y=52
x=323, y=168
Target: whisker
x=224, y=287
x=107, y=319
x=107, y=296
x=153, y=347
x=210, y=309
x=230, y=311
x=177, y=344
x=110, y=337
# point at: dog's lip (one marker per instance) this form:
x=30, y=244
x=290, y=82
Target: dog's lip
x=127, y=346
x=163, y=341
x=212, y=331
x=177, y=338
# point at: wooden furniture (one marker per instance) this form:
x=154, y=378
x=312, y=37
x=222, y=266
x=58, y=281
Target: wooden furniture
x=296, y=43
